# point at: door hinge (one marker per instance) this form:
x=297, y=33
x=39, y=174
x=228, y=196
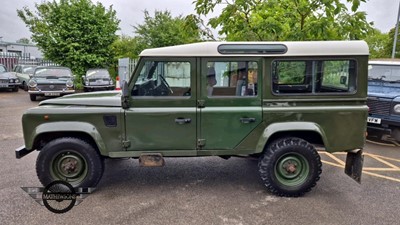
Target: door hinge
x=126, y=144
x=200, y=103
x=201, y=142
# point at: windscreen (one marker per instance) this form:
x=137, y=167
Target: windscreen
x=389, y=73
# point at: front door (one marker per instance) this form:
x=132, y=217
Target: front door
x=229, y=101
x=162, y=113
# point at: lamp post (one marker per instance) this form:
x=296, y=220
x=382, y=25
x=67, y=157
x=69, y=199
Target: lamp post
x=396, y=33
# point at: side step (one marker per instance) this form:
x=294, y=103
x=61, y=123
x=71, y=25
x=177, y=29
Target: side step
x=151, y=160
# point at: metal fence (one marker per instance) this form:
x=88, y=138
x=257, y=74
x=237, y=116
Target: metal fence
x=125, y=68
x=10, y=59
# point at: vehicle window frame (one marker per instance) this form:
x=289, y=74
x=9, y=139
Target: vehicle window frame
x=257, y=59
x=136, y=74
x=313, y=93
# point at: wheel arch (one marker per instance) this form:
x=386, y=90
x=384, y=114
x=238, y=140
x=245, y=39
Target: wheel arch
x=308, y=131
x=50, y=131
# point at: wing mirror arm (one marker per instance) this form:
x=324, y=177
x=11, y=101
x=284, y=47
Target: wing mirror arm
x=125, y=95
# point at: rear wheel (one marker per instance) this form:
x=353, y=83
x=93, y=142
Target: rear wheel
x=290, y=167
x=72, y=160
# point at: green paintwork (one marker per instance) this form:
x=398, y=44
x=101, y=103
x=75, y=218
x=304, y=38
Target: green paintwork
x=69, y=166
x=148, y=124
x=291, y=169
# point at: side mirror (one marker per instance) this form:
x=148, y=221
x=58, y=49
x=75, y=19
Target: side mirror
x=343, y=80
x=125, y=95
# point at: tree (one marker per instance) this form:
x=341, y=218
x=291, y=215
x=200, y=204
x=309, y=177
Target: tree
x=388, y=46
x=279, y=20
x=73, y=33
x=164, y=30
x=23, y=41
x=125, y=47
x=378, y=42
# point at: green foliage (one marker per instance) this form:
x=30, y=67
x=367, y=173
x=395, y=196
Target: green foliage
x=23, y=41
x=378, y=43
x=284, y=20
x=388, y=47
x=125, y=47
x=164, y=30
x=73, y=33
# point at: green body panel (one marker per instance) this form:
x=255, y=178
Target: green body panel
x=66, y=117
x=164, y=133
x=148, y=124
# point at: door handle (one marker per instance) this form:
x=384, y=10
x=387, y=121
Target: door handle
x=183, y=120
x=247, y=120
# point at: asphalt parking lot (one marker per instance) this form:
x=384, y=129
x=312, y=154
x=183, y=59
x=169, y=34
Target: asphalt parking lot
x=207, y=190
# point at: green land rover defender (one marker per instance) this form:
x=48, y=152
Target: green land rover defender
x=276, y=101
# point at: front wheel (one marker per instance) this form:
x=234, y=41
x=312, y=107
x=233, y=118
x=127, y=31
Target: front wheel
x=290, y=167
x=72, y=160
x=32, y=97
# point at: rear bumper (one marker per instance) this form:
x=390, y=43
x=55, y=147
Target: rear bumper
x=21, y=152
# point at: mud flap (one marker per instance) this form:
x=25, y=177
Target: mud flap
x=354, y=165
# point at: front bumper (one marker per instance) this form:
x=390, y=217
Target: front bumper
x=9, y=85
x=52, y=93
x=21, y=152
x=99, y=86
x=385, y=127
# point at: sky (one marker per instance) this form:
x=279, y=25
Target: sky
x=382, y=12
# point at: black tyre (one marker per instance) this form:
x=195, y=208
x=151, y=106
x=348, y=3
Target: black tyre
x=33, y=97
x=290, y=167
x=24, y=86
x=72, y=160
x=15, y=89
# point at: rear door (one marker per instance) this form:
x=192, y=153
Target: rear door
x=229, y=101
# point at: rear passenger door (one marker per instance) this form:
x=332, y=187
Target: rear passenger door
x=229, y=101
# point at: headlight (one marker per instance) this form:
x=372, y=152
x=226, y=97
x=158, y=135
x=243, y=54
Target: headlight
x=11, y=80
x=17, y=80
x=32, y=83
x=86, y=82
x=69, y=83
x=396, y=108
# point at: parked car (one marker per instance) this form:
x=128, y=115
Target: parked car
x=384, y=98
x=24, y=74
x=51, y=81
x=202, y=99
x=8, y=80
x=97, y=79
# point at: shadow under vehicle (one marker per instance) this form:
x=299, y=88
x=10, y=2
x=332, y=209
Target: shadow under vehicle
x=51, y=81
x=276, y=101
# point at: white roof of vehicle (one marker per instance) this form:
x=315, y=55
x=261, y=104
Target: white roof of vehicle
x=300, y=48
x=385, y=61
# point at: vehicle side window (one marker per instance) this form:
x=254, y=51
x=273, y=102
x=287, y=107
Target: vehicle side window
x=233, y=78
x=158, y=79
x=313, y=76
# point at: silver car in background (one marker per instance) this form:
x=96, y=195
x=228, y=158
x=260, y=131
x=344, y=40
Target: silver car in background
x=24, y=74
x=97, y=79
x=8, y=80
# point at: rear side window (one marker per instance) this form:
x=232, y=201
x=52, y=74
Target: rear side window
x=313, y=76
